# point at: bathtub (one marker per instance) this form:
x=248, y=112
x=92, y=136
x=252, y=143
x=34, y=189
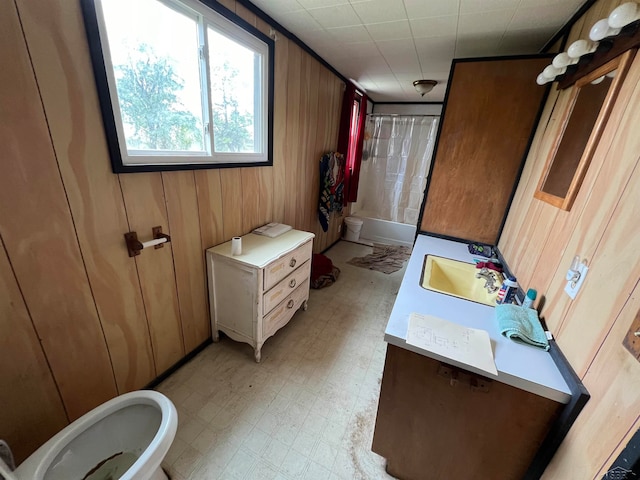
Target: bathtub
x=383, y=231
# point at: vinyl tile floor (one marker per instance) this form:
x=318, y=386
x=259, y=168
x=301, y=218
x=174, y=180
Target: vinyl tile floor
x=307, y=411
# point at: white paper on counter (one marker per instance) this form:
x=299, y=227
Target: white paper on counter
x=470, y=346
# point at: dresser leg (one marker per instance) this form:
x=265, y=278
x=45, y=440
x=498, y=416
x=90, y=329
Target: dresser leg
x=305, y=305
x=257, y=355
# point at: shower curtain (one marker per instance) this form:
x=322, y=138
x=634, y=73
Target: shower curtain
x=395, y=163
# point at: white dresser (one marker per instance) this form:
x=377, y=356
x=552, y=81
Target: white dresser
x=254, y=294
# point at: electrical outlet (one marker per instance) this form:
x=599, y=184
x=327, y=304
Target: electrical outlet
x=573, y=286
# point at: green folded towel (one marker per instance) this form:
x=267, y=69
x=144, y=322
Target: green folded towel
x=521, y=324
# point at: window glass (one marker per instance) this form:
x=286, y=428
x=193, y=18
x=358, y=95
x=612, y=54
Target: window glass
x=181, y=84
x=234, y=94
x=157, y=75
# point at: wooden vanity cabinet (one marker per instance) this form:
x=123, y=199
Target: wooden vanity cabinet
x=438, y=422
x=254, y=294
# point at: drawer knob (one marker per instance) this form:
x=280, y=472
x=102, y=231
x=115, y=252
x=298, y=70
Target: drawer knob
x=292, y=263
x=292, y=283
x=290, y=304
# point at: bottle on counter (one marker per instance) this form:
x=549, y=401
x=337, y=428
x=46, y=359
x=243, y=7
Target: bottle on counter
x=507, y=291
x=529, y=298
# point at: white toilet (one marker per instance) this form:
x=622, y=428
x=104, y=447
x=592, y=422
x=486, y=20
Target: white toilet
x=124, y=438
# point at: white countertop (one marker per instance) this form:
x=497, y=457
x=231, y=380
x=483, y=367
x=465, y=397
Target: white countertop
x=522, y=366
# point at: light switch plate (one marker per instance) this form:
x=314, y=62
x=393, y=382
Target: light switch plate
x=572, y=290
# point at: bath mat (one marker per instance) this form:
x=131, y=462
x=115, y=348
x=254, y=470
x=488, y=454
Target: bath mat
x=385, y=258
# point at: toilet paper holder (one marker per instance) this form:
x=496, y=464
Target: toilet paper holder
x=135, y=246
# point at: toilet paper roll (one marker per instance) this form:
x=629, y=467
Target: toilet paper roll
x=236, y=246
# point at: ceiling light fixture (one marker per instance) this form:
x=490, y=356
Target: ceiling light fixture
x=424, y=86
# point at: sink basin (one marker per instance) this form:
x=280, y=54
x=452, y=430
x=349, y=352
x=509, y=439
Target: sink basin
x=453, y=277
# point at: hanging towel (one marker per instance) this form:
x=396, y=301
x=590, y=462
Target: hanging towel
x=521, y=325
x=331, y=187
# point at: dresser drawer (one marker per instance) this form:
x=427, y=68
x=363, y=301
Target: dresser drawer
x=277, y=270
x=283, y=288
x=280, y=315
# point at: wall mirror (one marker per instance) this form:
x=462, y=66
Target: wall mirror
x=591, y=100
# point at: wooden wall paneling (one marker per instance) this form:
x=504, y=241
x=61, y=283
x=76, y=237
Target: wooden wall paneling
x=524, y=205
x=616, y=159
x=209, y=191
x=146, y=208
x=230, y=4
x=528, y=179
x=614, y=268
x=618, y=450
x=336, y=218
x=293, y=149
x=613, y=380
x=31, y=409
x=257, y=182
x=475, y=167
x=304, y=151
x=40, y=237
x=280, y=127
x=549, y=253
x=188, y=256
x=320, y=141
x=58, y=49
x=312, y=171
x=232, y=202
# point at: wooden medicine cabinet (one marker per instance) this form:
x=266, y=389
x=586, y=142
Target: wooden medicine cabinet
x=591, y=99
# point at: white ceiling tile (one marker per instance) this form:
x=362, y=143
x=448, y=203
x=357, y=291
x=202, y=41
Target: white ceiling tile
x=485, y=23
x=436, y=48
x=378, y=11
x=361, y=49
x=278, y=7
x=396, y=47
x=479, y=6
x=389, y=30
x=431, y=8
x=320, y=3
x=403, y=65
x=533, y=17
x=477, y=46
x=298, y=22
x=336, y=16
x=434, y=26
x=520, y=42
x=349, y=34
x=571, y=4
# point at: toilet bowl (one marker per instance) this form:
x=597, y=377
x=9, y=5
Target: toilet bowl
x=126, y=438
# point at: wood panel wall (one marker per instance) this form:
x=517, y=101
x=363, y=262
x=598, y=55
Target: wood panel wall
x=602, y=227
x=81, y=321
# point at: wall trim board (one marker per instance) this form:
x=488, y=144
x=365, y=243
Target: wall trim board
x=176, y=366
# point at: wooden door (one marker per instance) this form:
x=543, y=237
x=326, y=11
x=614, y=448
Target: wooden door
x=490, y=111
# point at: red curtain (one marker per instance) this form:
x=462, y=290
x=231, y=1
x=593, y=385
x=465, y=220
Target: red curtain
x=351, y=137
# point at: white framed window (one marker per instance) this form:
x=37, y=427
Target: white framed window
x=183, y=84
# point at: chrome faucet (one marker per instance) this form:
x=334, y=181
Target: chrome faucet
x=492, y=279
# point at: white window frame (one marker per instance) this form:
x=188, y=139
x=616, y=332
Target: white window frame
x=207, y=14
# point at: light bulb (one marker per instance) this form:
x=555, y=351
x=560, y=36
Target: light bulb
x=580, y=48
x=598, y=80
x=542, y=79
x=611, y=74
x=601, y=29
x=562, y=60
x=552, y=72
x=624, y=15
